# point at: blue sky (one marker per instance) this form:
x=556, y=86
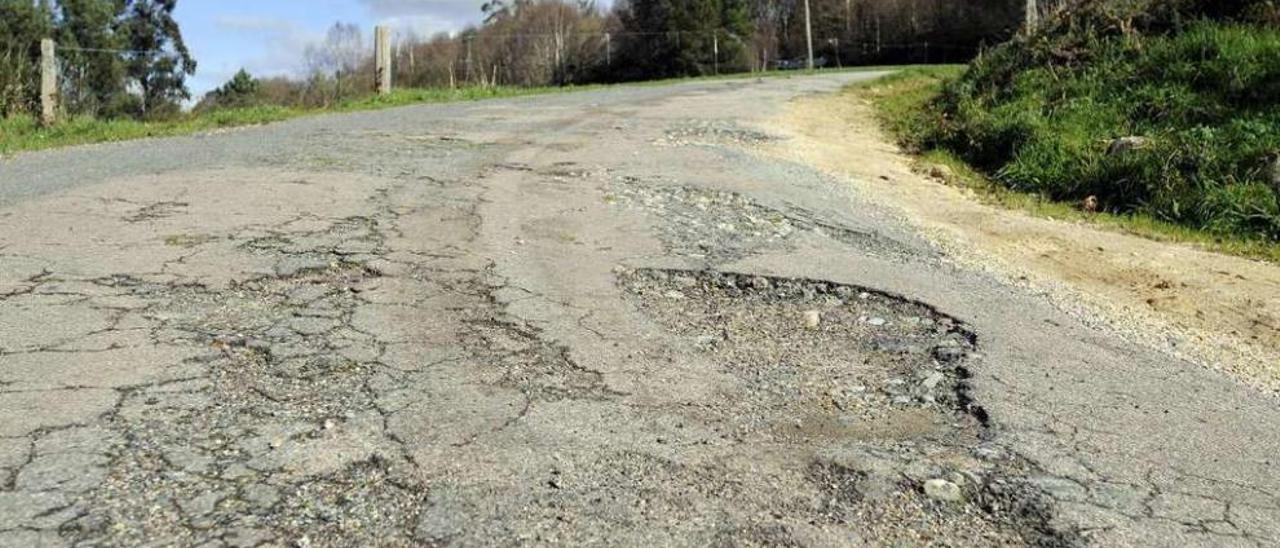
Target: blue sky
x=267, y=37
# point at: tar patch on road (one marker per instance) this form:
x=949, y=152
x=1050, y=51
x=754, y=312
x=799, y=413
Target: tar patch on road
x=872, y=390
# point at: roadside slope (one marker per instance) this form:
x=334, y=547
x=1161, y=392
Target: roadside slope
x=1216, y=310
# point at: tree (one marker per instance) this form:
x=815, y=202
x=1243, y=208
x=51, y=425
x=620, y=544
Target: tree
x=339, y=56
x=240, y=91
x=22, y=25
x=157, y=60
x=88, y=37
x=679, y=37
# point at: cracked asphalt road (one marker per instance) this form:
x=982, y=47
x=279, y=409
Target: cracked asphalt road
x=588, y=318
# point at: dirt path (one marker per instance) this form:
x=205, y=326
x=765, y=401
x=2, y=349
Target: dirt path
x=1220, y=311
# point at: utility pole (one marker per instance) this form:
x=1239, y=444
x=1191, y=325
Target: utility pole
x=382, y=58
x=808, y=31
x=608, y=49
x=1033, y=16
x=469, y=38
x=48, y=83
x=715, y=50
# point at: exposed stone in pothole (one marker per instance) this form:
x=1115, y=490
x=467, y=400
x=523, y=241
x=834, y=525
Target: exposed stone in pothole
x=714, y=132
x=876, y=390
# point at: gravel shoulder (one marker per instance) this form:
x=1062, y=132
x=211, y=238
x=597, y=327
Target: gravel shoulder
x=1220, y=311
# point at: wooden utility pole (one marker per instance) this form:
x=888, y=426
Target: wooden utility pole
x=382, y=58
x=715, y=50
x=470, y=37
x=1033, y=16
x=608, y=49
x=48, y=83
x=808, y=32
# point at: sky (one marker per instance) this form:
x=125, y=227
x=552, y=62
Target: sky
x=267, y=37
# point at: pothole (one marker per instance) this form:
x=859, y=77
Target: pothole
x=871, y=389
x=721, y=226
x=712, y=133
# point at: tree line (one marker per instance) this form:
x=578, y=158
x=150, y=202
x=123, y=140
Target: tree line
x=563, y=42
x=127, y=57
x=116, y=57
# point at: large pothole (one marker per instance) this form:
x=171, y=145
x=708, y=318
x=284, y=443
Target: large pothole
x=871, y=389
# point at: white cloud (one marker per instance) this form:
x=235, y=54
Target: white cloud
x=276, y=43
x=455, y=10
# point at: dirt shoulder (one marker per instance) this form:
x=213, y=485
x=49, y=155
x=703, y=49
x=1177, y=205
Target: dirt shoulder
x=1217, y=310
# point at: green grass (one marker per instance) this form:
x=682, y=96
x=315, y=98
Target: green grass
x=22, y=133
x=906, y=104
x=1038, y=116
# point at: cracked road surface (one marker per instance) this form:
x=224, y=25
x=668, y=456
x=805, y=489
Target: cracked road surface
x=590, y=318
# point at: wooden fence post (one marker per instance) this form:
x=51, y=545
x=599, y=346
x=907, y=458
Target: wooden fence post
x=382, y=59
x=48, y=83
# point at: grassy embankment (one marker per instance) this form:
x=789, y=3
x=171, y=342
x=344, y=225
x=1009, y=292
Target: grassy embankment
x=1030, y=125
x=22, y=133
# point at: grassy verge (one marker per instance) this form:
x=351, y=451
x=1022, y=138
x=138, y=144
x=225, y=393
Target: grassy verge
x=22, y=133
x=905, y=101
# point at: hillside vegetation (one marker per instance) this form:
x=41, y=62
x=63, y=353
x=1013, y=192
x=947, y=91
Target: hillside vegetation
x=1166, y=108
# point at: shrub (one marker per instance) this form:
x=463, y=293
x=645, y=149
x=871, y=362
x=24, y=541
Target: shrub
x=1199, y=80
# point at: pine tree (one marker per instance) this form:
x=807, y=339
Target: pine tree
x=157, y=60
x=680, y=37
x=239, y=91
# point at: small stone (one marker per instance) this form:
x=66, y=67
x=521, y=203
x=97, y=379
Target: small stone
x=1126, y=144
x=943, y=490
x=988, y=452
x=329, y=424
x=1275, y=174
x=948, y=354
x=932, y=380
x=876, y=321
x=812, y=319
x=706, y=341
x=1090, y=204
